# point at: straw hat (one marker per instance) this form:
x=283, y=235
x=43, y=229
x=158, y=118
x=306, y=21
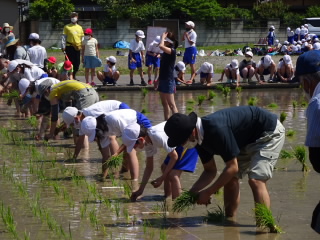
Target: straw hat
x=11, y=40
x=5, y=25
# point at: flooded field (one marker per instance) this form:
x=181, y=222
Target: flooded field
x=46, y=196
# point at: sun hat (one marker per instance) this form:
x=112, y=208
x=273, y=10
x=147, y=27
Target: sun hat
x=267, y=59
x=287, y=59
x=88, y=31
x=34, y=36
x=68, y=115
x=130, y=136
x=12, y=65
x=190, y=23
x=249, y=53
x=6, y=25
x=157, y=40
x=288, y=29
x=277, y=41
x=285, y=42
x=140, y=34
x=272, y=27
x=308, y=63
x=294, y=43
x=88, y=127
x=11, y=40
x=308, y=39
x=181, y=66
x=111, y=59
x=52, y=59
x=67, y=65
x=23, y=85
x=306, y=25
x=303, y=40
x=299, y=42
x=74, y=14
x=235, y=63
x=179, y=128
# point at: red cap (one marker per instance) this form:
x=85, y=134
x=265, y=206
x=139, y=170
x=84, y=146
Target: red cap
x=67, y=65
x=88, y=31
x=52, y=59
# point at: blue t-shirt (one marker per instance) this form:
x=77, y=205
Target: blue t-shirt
x=229, y=130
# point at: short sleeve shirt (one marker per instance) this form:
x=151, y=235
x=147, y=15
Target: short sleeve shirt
x=154, y=47
x=33, y=73
x=38, y=82
x=159, y=140
x=227, y=131
x=107, y=68
x=167, y=63
x=90, y=47
x=21, y=53
x=231, y=68
x=193, y=37
x=205, y=68
x=265, y=65
x=74, y=33
x=65, y=89
x=37, y=55
x=313, y=123
x=136, y=47
x=102, y=107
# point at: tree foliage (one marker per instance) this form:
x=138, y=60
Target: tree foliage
x=313, y=11
x=274, y=9
x=54, y=10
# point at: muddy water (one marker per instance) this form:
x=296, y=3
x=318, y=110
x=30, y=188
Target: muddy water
x=293, y=194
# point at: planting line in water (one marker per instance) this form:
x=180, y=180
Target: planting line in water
x=112, y=187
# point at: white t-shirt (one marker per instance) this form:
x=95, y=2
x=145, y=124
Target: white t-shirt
x=297, y=31
x=159, y=140
x=37, y=55
x=154, y=47
x=106, y=68
x=193, y=37
x=176, y=73
x=290, y=33
x=266, y=64
x=231, y=68
x=205, y=68
x=33, y=73
x=299, y=47
x=90, y=47
x=136, y=47
x=303, y=31
x=294, y=48
x=102, y=107
x=284, y=48
x=39, y=81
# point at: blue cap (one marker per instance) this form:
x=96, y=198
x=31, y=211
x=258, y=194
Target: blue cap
x=307, y=63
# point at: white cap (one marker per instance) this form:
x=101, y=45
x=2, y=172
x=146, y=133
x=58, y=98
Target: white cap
x=267, y=59
x=23, y=85
x=288, y=29
x=190, y=23
x=306, y=25
x=157, y=40
x=249, y=53
x=12, y=65
x=68, y=115
x=140, y=34
x=316, y=46
x=34, y=36
x=303, y=40
x=299, y=42
x=277, y=41
x=316, y=40
x=234, y=63
x=308, y=39
x=294, y=42
x=272, y=27
x=130, y=135
x=206, y=67
x=88, y=127
x=286, y=43
x=287, y=59
x=181, y=66
x=111, y=59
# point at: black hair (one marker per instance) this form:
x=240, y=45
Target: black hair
x=171, y=36
x=102, y=126
x=143, y=131
x=35, y=41
x=32, y=87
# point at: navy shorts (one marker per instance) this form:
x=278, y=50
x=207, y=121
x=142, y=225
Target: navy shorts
x=205, y=75
x=137, y=64
x=109, y=80
x=190, y=55
x=167, y=86
x=291, y=39
x=124, y=106
x=295, y=37
x=186, y=162
x=152, y=61
x=266, y=71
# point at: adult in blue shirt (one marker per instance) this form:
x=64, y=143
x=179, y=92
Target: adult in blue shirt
x=249, y=140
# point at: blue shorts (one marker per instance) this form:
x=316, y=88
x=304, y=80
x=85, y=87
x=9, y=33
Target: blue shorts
x=167, y=86
x=205, y=75
x=109, y=80
x=295, y=37
x=143, y=120
x=124, y=106
x=291, y=39
x=44, y=76
x=151, y=60
x=137, y=64
x=302, y=37
x=266, y=71
x=91, y=62
x=190, y=55
x=187, y=162
x=270, y=41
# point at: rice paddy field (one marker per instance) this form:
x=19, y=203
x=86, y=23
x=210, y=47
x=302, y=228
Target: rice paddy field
x=45, y=195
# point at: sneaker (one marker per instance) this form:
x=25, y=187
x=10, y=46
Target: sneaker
x=93, y=84
x=229, y=80
x=143, y=83
x=150, y=82
x=270, y=80
x=131, y=83
x=104, y=83
x=234, y=81
x=262, y=78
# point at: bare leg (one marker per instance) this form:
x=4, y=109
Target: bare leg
x=193, y=69
x=113, y=144
x=156, y=71
x=140, y=72
x=166, y=183
x=86, y=74
x=131, y=73
x=166, y=109
x=93, y=74
x=133, y=165
x=231, y=197
x=260, y=191
x=174, y=177
x=149, y=72
x=100, y=76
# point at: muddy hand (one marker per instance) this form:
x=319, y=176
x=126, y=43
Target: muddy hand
x=157, y=183
x=135, y=195
x=204, y=198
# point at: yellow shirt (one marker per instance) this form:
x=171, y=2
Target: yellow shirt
x=74, y=33
x=65, y=89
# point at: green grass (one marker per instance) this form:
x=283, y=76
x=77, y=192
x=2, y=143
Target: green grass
x=184, y=202
x=201, y=98
x=291, y=133
x=273, y=105
x=252, y=101
x=301, y=155
x=283, y=116
x=217, y=215
x=264, y=218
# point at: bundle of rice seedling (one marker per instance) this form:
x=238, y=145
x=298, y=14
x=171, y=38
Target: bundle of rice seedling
x=291, y=133
x=283, y=116
x=285, y=154
x=219, y=87
x=273, y=105
x=252, y=101
x=11, y=95
x=226, y=91
x=144, y=92
x=301, y=155
x=216, y=216
x=114, y=162
x=211, y=94
x=264, y=218
x=185, y=201
x=239, y=90
x=201, y=98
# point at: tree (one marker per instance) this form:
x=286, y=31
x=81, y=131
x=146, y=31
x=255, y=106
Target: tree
x=273, y=9
x=54, y=10
x=313, y=11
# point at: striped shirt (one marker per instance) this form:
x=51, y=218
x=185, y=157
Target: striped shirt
x=313, y=123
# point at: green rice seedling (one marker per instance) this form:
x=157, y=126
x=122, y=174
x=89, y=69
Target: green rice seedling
x=92, y=189
x=301, y=155
x=283, y=116
x=191, y=101
x=211, y=95
x=107, y=202
x=252, y=101
x=103, y=96
x=114, y=162
x=284, y=154
x=184, y=202
x=127, y=189
x=93, y=218
x=56, y=188
x=273, y=105
x=190, y=108
x=163, y=234
x=201, y=98
x=239, y=90
x=264, y=218
x=8, y=220
x=219, y=87
x=113, y=180
x=294, y=104
x=26, y=235
x=291, y=133
x=226, y=91
x=32, y=121
x=83, y=210
x=126, y=214
x=117, y=207
x=217, y=215
x=144, y=111
x=304, y=103
x=144, y=92
x=11, y=95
